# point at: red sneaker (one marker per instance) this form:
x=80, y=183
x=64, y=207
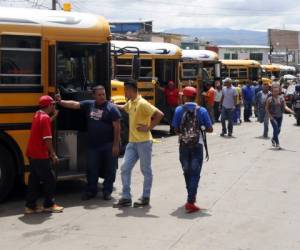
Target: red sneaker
x=191, y=208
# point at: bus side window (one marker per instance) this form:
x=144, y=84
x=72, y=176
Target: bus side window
x=20, y=58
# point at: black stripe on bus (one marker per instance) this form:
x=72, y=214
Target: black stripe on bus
x=145, y=89
x=15, y=126
x=148, y=97
x=18, y=109
x=21, y=89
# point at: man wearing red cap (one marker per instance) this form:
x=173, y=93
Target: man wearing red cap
x=191, y=122
x=40, y=153
x=172, y=96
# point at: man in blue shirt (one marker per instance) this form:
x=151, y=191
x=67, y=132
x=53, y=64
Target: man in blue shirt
x=248, y=95
x=103, y=140
x=191, y=158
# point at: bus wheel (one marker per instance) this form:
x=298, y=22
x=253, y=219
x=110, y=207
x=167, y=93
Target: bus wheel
x=7, y=173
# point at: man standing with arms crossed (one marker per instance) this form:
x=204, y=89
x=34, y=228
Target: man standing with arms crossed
x=143, y=117
x=103, y=140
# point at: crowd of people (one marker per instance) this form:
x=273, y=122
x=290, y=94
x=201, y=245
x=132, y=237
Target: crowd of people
x=222, y=102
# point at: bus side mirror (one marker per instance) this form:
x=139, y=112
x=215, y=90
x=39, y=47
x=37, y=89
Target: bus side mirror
x=136, y=67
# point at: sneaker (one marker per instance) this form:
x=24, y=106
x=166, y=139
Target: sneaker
x=273, y=143
x=142, y=202
x=107, y=196
x=36, y=210
x=54, y=209
x=278, y=147
x=230, y=134
x=87, y=196
x=191, y=208
x=222, y=134
x=123, y=203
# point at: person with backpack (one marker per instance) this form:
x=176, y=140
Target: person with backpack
x=191, y=122
x=275, y=107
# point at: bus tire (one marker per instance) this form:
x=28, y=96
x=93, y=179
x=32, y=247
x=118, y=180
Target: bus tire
x=7, y=173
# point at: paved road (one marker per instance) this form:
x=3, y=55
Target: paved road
x=250, y=193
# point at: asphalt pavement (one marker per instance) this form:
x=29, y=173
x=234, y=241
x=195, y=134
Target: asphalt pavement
x=249, y=195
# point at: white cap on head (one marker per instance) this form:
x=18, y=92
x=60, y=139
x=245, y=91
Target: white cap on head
x=228, y=79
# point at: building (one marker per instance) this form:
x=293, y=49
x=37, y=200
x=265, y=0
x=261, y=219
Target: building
x=259, y=53
x=131, y=27
x=142, y=31
x=285, y=46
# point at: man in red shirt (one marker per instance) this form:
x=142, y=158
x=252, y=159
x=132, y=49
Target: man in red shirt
x=40, y=153
x=172, y=96
x=209, y=97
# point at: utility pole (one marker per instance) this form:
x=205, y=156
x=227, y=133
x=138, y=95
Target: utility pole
x=53, y=4
x=271, y=46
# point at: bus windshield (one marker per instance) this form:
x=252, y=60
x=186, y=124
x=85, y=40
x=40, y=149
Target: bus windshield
x=254, y=74
x=79, y=66
x=190, y=70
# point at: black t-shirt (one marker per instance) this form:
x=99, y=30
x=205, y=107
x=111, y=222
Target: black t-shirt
x=100, y=122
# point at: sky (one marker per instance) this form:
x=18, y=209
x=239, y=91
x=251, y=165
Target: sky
x=170, y=14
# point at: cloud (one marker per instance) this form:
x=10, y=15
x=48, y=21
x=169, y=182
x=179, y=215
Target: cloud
x=166, y=14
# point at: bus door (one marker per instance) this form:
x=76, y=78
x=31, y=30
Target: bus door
x=145, y=86
x=74, y=69
x=165, y=70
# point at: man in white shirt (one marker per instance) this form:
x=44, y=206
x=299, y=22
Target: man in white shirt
x=227, y=106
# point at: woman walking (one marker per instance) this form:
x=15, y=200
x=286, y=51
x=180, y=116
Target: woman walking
x=275, y=107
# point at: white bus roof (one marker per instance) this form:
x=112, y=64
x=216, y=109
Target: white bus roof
x=149, y=48
x=200, y=55
x=38, y=17
x=286, y=67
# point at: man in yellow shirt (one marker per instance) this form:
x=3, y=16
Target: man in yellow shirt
x=143, y=117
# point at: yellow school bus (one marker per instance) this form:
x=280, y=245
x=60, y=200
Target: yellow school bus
x=198, y=67
x=271, y=71
x=242, y=70
x=157, y=61
x=42, y=51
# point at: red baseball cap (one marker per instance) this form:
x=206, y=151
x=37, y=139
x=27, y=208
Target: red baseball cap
x=189, y=91
x=45, y=101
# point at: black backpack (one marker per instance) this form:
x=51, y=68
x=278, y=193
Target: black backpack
x=190, y=129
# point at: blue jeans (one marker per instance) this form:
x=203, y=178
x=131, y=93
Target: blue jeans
x=137, y=151
x=276, y=124
x=101, y=162
x=227, y=114
x=266, y=125
x=247, y=110
x=237, y=113
x=191, y=161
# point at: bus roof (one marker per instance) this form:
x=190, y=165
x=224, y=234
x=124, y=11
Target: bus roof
x=287, y=68
x=54, y=25
x=150, y=48
x=241, y=63
x=271, y=67
x=200, y=55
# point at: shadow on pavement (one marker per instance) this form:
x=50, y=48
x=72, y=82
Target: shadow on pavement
x=35, y=219
x=68, y=195
x=283, y=150
x=136, y=212
x=180, y=213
